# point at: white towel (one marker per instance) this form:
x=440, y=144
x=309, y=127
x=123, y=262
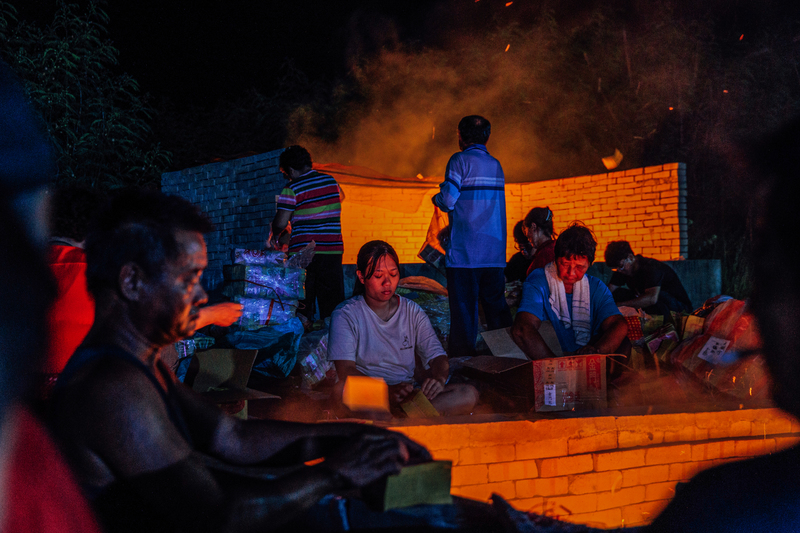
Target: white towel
x=581, y=319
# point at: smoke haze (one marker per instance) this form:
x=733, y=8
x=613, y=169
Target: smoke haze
x=559, y=99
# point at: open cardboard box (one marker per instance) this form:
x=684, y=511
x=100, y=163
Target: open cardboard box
x=222, y=376
x=562, y=383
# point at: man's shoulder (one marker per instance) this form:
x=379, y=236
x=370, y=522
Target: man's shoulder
x=107, y=379
x=316, y=178
x=478, y=151
x=649, y=262
x=62, y=254
x=537, y=278
x=597, y=284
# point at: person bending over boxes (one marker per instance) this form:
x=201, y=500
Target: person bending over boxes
x=652, y=285
x=377, y=334
x=580, y=307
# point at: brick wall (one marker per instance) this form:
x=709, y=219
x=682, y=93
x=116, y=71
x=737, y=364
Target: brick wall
x=605, y=471
x=646, y=206
x=239, y=198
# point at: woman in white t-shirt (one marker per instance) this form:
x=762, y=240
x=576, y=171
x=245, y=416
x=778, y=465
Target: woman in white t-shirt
x=377, y=334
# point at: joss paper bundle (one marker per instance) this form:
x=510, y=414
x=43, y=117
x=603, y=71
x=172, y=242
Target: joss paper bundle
x=264, y=281
x=242, y=256
x=258, y=313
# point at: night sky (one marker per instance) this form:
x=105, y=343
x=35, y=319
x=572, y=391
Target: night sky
x=199, y=60
x=199, y=51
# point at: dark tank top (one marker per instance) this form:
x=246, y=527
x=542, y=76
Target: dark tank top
x=118, y=506
x=84, y=356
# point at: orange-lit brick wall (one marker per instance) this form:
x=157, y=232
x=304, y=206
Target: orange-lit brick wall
x=605, y=471
x=645, y=206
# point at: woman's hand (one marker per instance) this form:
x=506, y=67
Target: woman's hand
x=432, y=387
x=398, y=393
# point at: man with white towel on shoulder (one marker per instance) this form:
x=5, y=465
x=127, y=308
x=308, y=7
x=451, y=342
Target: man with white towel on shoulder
x=581, y=309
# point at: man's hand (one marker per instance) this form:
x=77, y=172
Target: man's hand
x=398, y=393
x=369, y=457
x=431, y=388
x=614, y=329
x=279, y=228
x=583, y=350
x=222, y=314
x=273, y=242
x=416, y=451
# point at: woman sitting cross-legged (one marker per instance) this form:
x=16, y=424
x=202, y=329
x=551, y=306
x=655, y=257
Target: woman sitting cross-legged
x=377, y=334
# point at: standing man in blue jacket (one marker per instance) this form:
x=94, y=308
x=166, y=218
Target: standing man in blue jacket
x=473, y=195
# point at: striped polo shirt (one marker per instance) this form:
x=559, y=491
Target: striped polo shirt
x=314, y=199
x=473, y=195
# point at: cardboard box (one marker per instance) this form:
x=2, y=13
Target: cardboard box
x=570, y=383
x=222, y=376
x=510, y=381
x=502, y=344
x=558, y=384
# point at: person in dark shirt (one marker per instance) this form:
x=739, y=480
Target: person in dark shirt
x=538, y=226
x=652, y=286
x=517, y=266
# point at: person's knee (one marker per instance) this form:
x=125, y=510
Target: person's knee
x=472, y=395
x=465, y=396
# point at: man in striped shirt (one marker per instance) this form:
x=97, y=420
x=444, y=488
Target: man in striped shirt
x=312, y=202
x=473, y=195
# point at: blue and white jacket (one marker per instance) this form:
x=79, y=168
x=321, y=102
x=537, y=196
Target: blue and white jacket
x=473, y=195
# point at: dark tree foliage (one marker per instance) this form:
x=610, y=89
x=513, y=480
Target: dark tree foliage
x=97, y=118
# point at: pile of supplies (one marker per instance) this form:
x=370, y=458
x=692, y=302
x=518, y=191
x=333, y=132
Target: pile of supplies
x=717, y=346
x=269, y=286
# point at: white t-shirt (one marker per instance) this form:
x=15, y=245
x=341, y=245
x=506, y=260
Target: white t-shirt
x=382, y=349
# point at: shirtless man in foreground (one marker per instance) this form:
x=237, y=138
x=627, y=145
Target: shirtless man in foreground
x=149, y=452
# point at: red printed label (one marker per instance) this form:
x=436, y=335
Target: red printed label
x=570, y=363
x=593, y=378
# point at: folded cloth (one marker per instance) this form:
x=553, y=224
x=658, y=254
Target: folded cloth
x=580, y=320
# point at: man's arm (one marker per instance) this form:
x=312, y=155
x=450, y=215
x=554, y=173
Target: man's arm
x=614, y=329
x=525, y=333
x=222, y=314
x=449, y=189
x=344, y=369
x=279, y=224
x=141, y=445
x=247, y=442
x=122, y=422
x=648, y=298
